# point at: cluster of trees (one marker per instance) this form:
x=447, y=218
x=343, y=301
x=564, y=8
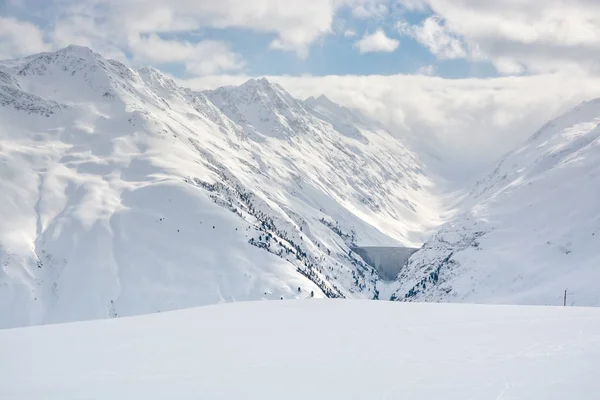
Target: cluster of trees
x=358, y=282
x=358, y=274
x=331, y=292
x=432, y=278
x=219, y=187
x=287, y=246
x=269, y=231
x=349, y=239
x=237, y=198
x=312, y=294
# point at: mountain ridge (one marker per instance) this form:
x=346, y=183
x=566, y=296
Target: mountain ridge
x=135, y=195
x=126, y=194
x=527, y=231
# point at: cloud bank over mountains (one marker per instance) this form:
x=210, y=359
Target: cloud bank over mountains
x=540, y=55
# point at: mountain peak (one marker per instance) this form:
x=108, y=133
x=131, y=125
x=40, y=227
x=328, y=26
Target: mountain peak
x=261, y=84
x=67, y=57
x=264, y=81
x=342, y=119
x=81, y=51
x=258, y=90
x=161, y=84
x=322, y=101
x=73, y=72
x=261, y=106
x=149, y=71
x=152, y=74
x=587, y=111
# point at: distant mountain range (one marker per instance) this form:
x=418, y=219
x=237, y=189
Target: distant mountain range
x=123, y=193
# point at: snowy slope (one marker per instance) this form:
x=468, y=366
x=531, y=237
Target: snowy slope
x=528, y=231
x=323, y=349
x=125, y=194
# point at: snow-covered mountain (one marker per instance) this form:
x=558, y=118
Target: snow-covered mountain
x=123, y=193
x=528, y=231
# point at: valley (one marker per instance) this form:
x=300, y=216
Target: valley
x=388, y=261
x=126, y=194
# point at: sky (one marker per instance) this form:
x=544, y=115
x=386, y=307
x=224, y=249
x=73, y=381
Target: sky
x=473, y=77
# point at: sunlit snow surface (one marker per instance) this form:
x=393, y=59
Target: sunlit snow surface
x=312, y=349
x=124, y=194
x=527, y=231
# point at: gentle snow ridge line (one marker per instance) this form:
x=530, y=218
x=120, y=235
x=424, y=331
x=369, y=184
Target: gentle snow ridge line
x=312, y=349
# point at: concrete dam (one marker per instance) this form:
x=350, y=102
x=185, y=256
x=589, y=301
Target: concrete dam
x=388, y=261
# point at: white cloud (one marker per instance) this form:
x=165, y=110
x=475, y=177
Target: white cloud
x=19, y=38
x=108, y=25
x=413, y=5
x=370, y=9
x=427, y=70
x=349, y=33
x=114, y=27
x=516, y=36
x=376, y=42
x=432, y=34
x=200, y=58
x=472, y=122
x=295, y=24
x=508, y=66
x=12, y=3
x=525, y=35
x=79, y=26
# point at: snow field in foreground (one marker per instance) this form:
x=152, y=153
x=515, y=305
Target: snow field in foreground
x=313, y=349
